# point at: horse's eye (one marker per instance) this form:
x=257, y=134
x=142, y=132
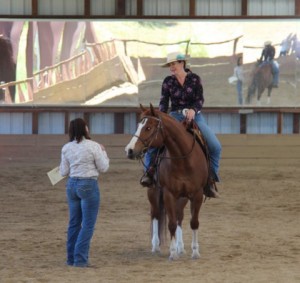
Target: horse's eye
x=148, y=128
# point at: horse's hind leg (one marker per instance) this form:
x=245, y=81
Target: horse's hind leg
x=195, y=208
x=259, y=93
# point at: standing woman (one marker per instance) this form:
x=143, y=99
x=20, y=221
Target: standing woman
x=82, y=159
x=184, y=91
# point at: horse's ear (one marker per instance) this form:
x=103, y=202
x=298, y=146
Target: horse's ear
x=142, y=108
x=152, y=110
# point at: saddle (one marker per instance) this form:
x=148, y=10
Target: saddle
x=193, y=128
x=210, y=189
x=212, y=178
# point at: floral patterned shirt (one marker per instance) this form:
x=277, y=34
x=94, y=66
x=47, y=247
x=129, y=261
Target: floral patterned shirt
x=190, y=95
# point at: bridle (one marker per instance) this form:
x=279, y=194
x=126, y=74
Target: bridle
x=154, y=135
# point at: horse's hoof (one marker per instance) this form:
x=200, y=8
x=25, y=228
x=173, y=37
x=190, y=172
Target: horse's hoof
x=181, y=251
x=195, y=255
x=172, y=258
x=155, y=250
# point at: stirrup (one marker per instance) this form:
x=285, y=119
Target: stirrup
x=211, y=190
x=146, y=180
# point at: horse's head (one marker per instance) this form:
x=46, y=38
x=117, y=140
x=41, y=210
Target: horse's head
x=148, y=133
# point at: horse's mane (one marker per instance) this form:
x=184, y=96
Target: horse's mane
x=182, y=126
x=258, y=67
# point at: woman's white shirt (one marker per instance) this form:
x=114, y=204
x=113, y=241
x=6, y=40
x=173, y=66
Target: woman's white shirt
x=84, y=160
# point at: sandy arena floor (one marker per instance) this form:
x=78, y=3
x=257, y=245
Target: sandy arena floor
x=251, y=234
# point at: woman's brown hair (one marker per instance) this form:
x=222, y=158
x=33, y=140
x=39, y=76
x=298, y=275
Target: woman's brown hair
x=78, y=130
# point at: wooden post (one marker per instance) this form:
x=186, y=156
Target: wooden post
x=297, y=7
x=244, y=11
x=279, y=122
x=67, y=118
x=120, y=8
x=86, y=117
x=139, y=9
x=87, y=8
x=243, y=123
x=119, y=123
x=296, y=123
x=35, y=123
x=192, y=8
x=34, y=7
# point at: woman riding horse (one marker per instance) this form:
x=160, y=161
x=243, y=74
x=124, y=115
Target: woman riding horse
x=185, y=91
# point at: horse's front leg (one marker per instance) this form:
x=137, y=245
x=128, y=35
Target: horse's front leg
x=180, y=205
x=195, y=245
x=170, y=205
x=179, y=241
x=195, y=209
x=155, y=236
x=153, y=197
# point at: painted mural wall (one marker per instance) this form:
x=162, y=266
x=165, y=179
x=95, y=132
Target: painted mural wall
x=119, y=63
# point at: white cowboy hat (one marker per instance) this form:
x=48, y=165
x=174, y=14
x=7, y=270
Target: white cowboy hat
x=268, y=42
x=173, y=57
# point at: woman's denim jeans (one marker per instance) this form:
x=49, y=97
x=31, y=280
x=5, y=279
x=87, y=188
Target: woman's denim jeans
x=84, y=200
x=214, y=146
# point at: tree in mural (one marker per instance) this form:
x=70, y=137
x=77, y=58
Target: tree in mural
x=56, y=41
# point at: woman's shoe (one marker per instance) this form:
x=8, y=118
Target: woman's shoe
x=146, y=180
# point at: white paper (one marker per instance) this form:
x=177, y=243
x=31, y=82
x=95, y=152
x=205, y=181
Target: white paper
x=55, y=176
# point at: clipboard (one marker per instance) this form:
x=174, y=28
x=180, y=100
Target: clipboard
x=55, y=176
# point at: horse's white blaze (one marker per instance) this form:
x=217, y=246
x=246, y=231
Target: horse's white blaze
x=155, y=238
x=195, y=245
x=133, y=141
x=179, y=240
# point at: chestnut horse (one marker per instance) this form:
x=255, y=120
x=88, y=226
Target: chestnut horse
x=262, y=79
x=182, y=175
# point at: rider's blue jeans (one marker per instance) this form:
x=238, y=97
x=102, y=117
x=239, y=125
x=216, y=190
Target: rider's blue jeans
x=213, y=144
x=84, y=200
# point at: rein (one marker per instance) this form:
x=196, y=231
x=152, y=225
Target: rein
x=153, y=136
x=160, y=128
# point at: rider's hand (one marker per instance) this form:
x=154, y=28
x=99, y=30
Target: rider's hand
x=190, y=115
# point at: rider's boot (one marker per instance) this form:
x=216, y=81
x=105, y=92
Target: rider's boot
x=211, y=190
x=147, y=179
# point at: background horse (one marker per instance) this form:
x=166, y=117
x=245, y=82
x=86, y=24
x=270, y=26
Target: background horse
x=182, y=175
x=262, y=79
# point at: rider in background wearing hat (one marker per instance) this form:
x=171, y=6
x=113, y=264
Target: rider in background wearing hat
x=184, y=89
x=267, y=56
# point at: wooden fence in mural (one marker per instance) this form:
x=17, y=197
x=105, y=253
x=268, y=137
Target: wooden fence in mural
x=31, y=89
x=57, y=83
